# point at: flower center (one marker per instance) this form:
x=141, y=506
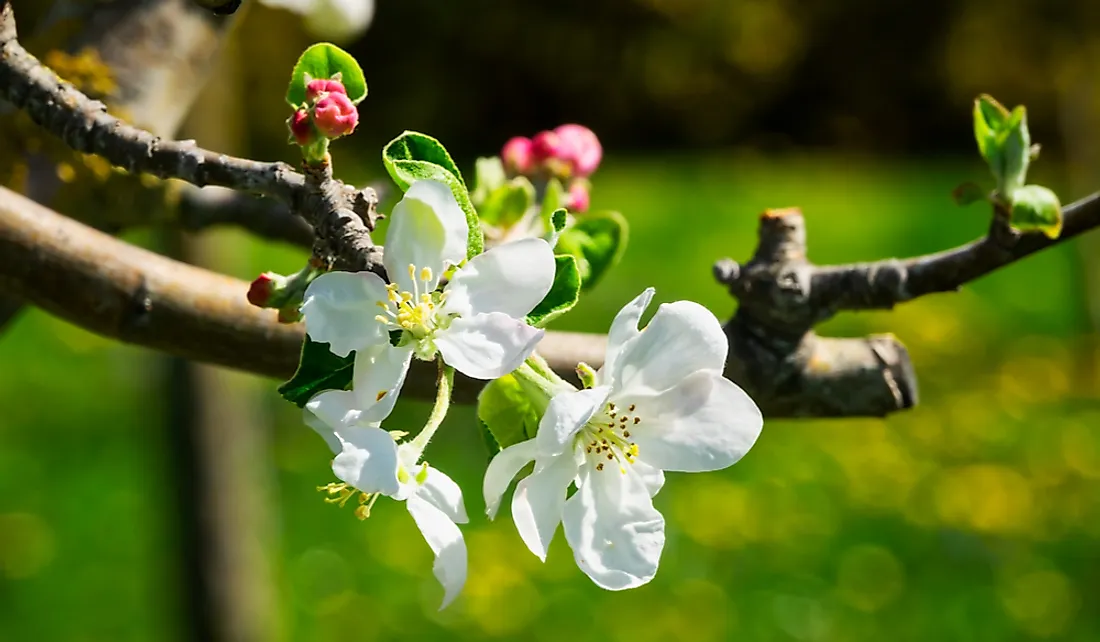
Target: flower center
x=606, y=437
x=415, y=314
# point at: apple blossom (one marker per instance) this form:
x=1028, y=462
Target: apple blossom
x=659, y=403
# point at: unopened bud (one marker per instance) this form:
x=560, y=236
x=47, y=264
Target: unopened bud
x=263, y=288
x=315, y=88
x=516, y=156
x=578, y=198
x=335, y=115
x=578, y=146
x=301, y=130
x=545, y=146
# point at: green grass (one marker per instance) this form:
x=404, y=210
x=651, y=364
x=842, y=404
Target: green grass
x=974, y=517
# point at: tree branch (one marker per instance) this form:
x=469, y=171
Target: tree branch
x=341, y=215
x=264, y=217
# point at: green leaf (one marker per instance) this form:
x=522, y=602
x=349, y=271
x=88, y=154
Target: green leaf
x=318, y=370
x=488, y=176
x=507, y=414
x=558, y=219
x=563, y=293
x=508, y=203
x=598, y=241
x=968, y=193
x=553, y=199
x=1036, y=207
x=1014, y=142
x=325, y=60
x=415, y=157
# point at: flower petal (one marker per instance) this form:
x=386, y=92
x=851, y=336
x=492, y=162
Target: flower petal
x=487, y=346
x=705, y=423
x=682, y=338
x=368, y=460
x=614, y=531
x=333, y=410
x=339, y=309
x=652, y=477
x=377, y=378
x=322, y=428
x=502, y=470
x=427, y=230
x=565, y=415
x=446, y=542
x=441, y=491
x=623, y=329
x=539, y=499
x=511, y=278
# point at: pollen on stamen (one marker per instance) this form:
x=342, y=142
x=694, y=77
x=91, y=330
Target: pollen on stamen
x=637, y=420
x=599, y=466
x=631, y=408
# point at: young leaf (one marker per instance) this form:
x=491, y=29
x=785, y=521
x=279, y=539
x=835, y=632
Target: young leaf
x=597, y=241
x=420, y=147
x=488, y=176
x=989, y=119
x=508, y=203
x=506, y=413
x=318, y=370
x=563, y=294
x=415, y=157
x=1015, y=152
x=324, y=60
x=1036, y=207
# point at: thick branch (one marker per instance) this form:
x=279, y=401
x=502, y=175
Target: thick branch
x=341, y=215
x=127, y=293
x=265, y=217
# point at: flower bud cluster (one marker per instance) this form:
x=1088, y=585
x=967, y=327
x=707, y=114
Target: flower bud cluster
x=570, y=153
x=328, y=113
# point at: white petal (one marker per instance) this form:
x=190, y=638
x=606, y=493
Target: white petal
x=339, y=309
x=323, y=428
x=487, y=346
x=368, y=460
x=428, y=230
x=539, y=499
x=340, y=19
x=652, y=477
x=565, y=415
x=614, y=531
x=705, y=423
x=441, y=491
x=377, y=378
x=682, y=338
x=446, y=542
x=502, y=470
x=623, y=329
x=335, y=409
x=511, y=278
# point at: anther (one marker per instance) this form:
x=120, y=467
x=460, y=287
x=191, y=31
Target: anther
x=631, y=408
x=412, y=271
x=426, y=274
x=599, y=466
x=382, y=393
x=637, y=420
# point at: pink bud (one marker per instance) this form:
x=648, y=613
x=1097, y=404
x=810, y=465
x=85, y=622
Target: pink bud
x=545, y=146
x=579, y=147
x=516, y=155
x=320, y=86
x=578, y=199
x=335, y=115
x=300, y=127
x=259, y=293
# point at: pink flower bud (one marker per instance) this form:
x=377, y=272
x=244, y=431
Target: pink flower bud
x=579, y=147
x=320, y=86
x=545, y=146
x=259, y=293
x=335, y=115
x=516, y=155
x=578, y=199
x=300, y=128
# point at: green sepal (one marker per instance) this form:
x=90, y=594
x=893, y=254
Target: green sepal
x=318, y=370
x=326, y=60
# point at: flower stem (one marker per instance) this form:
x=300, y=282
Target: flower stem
x=444, y=384
x=540, y=383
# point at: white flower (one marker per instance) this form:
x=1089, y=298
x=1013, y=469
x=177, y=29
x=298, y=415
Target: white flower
x=660, y=403
x=334, y=19
x=476, y=323
x=369, y=460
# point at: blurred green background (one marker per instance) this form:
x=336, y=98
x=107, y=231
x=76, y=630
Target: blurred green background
x=975, y=516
